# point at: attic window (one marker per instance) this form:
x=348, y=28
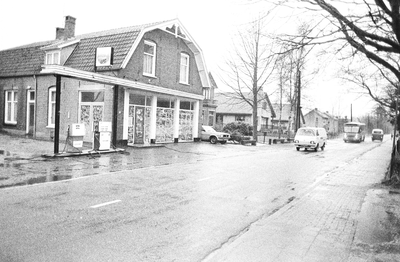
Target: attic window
x=149, y=58
x=184, y=69
x=52, y=58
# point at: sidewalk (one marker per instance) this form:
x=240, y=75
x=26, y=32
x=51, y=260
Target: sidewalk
x=343, y=217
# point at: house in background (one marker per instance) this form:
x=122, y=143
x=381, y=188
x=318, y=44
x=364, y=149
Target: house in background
x=233, y=109
x=209, y=103
x=316, y=118
x=284, y=120
x=147, y=81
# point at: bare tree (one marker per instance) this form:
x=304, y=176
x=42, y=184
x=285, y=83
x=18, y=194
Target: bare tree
x=369, y=29
x=292, y=67
x=250, y=67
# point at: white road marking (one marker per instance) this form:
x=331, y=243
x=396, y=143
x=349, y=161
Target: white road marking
x=106, y=203
x=204, y=179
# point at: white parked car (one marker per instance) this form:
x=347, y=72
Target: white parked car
x=208, y=133
x=310, y=137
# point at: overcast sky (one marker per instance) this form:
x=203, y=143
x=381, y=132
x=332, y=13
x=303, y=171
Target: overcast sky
x=212, y=24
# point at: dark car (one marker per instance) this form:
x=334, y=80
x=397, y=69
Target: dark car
x=377, y=134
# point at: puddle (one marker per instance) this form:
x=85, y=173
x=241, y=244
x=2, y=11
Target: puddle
x=37, y=180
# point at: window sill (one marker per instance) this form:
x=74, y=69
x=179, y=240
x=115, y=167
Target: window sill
x=50, y=127
x=185, y=84
x=10, y=123
x=148, y=75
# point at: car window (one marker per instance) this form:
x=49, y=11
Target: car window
x=208, y=129
x=305, y=132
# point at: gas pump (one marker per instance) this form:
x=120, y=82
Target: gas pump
x=102, y=136
x=77, y=132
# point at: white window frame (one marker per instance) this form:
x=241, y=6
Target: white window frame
x=11, y=99
x=50, y=120
x=153, y=62
x=51, y=58
x=184, y=69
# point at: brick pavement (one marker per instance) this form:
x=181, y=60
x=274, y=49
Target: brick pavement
x=319, y=225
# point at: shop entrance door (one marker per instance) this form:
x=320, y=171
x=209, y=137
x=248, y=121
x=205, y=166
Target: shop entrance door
x=139, y=125
x=91, y=112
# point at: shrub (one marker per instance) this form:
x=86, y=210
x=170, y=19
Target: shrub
x=238, y=129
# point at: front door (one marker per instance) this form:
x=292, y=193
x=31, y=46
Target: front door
x=91, y=112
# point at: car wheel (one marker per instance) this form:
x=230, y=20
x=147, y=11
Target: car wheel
x=323, y=147
x=213, y=140
x=316, y=148
x=297, y=148
x=223, y=142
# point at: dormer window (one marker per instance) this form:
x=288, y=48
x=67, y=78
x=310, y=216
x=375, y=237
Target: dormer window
x=52, y=58
x=149, y=58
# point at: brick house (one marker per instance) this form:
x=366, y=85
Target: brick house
x=209, y=103
x=147, y=81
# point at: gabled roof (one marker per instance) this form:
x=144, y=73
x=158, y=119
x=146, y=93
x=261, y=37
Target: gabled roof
x=25, y=60
x=322, y=114
x=230, y=103
x=212, y=81
x=83, y=56
x=286, y=111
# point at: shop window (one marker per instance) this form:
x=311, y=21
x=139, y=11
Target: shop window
x=137, y=99
x=11, y=107
x=92, y=96
x=186, y=105
x=166, y=103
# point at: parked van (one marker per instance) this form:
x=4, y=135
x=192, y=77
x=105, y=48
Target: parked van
x=310, y=137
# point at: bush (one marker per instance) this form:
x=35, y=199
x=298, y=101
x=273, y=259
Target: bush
x=238, y=129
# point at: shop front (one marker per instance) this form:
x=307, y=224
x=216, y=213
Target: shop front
x=158, y=118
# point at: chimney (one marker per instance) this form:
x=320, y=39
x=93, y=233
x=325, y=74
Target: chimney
x=69, y=29
x=59, y=33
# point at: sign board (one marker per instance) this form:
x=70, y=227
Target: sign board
x=105, y=140
x=105, y=127
x=77, y=143
x=77, y=130
x=104, y=56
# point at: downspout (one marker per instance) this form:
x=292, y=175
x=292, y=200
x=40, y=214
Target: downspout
x=115, y=116
x=35, y=115
x=57, y=116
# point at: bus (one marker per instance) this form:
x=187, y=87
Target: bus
x=354, y=132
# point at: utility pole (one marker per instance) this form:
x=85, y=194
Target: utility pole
x=351, y=112
x=298, y=109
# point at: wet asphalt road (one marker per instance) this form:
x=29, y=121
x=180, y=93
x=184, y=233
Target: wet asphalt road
x=177, y=203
